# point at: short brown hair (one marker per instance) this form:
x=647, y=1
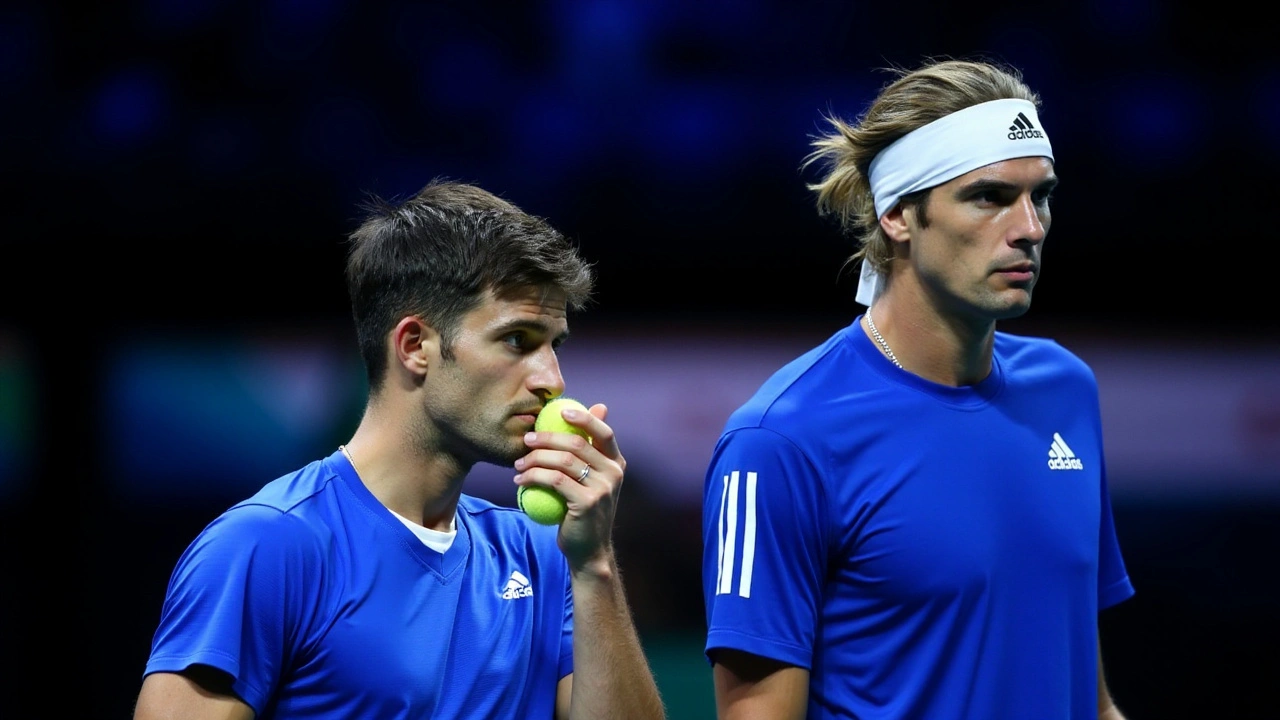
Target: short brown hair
x=436, y=253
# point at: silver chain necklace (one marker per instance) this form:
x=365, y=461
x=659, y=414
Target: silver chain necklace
x=880, y=341
x=350, y=459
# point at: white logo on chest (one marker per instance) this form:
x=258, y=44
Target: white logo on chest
x=1061, y=457
x=517, y=587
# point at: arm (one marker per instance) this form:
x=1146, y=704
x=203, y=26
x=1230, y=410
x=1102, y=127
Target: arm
x=765, y=557
x=611, y=675
x=1107, y=709
x=225, y=621
x=749, y=687
x=199, y=693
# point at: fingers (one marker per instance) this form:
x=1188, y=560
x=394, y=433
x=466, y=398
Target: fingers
x=601, y=434
x=588, y=474
x=569, y=463
x=600, y=410
x=568, y=473
x=603, y=446
x=593, y=422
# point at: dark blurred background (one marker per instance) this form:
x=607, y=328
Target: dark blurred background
x=179, y=178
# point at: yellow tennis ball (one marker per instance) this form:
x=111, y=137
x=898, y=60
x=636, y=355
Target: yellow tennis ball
x=550, y=419
x=543, y=505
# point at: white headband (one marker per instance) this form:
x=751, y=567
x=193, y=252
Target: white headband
x=945, y=149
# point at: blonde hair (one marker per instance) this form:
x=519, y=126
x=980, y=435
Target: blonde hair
x=915, y=98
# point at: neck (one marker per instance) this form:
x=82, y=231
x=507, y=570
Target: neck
x=421, y=486
x=931, y=345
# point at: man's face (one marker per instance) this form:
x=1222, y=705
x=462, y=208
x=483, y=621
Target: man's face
x=482, y=402
x=980, y=255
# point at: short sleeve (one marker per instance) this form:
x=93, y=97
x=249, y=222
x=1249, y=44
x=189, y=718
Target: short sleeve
x=765, y=544
x=234, y=600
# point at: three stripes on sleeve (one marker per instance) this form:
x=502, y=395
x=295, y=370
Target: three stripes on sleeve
x=737, y=533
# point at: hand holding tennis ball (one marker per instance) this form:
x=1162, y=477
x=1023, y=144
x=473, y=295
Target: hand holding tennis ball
x=542, y=504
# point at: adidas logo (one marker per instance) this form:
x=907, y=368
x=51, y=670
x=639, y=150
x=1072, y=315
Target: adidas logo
x=517, y=587
x=1061, y=457
x=1022, y=129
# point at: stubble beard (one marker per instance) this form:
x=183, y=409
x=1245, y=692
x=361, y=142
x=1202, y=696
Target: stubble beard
x=474, y=440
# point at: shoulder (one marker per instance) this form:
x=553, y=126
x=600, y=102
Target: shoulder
x=284, y=516
x=258, y=537
x=1030, y=358
x=792, y=391
x=291, y=491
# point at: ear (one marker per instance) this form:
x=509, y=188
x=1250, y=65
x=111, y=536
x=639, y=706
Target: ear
x=895, y=224
x=416, y=344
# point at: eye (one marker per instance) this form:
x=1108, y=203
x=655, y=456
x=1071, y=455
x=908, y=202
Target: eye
x=990, y=196
x=515, y=340
x=1042, y=197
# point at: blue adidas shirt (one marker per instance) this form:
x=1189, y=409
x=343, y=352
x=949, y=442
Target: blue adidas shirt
x=925, y=551
x=321, y=604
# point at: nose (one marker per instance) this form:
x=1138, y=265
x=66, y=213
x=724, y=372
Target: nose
x=1031, y=221
x=544, y=378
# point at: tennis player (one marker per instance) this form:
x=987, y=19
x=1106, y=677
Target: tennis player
x=911, y=520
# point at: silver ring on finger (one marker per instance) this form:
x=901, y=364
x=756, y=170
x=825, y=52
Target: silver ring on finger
x=586, y=470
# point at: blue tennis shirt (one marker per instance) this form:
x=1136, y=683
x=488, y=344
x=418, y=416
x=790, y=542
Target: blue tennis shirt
x=322, y=604
x=925, y=551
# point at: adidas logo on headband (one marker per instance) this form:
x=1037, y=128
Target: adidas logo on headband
x=1022, y=128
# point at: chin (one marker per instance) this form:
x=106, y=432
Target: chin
x=512, y=452
x=1007, y=308
x=1014, y=312
x=499, y=449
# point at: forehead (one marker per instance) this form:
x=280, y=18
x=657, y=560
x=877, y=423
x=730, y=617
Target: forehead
x=1022, y=172
x=545, y=307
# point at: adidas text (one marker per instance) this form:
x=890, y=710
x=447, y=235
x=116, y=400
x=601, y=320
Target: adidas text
x=1023, y=134
x=1072, y=463
x=512, y=593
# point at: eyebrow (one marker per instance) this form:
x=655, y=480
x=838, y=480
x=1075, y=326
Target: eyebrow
x=532, y=326
x=985, y=184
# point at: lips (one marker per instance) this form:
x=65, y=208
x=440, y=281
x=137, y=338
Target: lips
x=1020, y=272
x=528, y=415
x=1025, y=267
